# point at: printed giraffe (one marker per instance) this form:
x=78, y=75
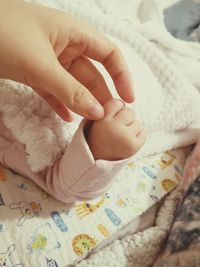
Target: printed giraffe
x=86, y=208
x=166, y=160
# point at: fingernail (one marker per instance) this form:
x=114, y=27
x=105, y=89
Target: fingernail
x=96, y=111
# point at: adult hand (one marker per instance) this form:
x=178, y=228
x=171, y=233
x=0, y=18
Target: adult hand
x=49, y=51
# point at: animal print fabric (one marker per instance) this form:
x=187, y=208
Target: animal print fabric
x=183, y=245
x=38, y=231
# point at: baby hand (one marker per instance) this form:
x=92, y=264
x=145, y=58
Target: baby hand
x=118, y=135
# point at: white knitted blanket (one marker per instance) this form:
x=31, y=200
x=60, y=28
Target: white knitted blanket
x=165, y=72
x=166, y=75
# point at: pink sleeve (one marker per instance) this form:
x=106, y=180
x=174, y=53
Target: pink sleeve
x=75, y=176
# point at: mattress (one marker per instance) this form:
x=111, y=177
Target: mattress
x=37, y=230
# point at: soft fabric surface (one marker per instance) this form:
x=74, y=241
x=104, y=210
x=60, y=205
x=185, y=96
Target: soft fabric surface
x=183, y=244
x=171, y=83
x=192, y=168
x=141, y=249
x=183, y=20
x=51, y=232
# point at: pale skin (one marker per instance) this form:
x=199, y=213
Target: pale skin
x=118, y=135
x=49, y=51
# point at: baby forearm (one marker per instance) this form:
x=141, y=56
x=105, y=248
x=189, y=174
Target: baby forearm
x=74, y=176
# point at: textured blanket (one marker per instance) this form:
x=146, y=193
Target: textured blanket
x=183, y=244
x=167, y=103
x=52, y=235
x=183, y=20
x=167, y=100
x=141, y=249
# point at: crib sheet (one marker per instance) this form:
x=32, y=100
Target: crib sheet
x=36, y=230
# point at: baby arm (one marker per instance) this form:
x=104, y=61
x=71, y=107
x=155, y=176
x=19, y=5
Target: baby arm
x=87, y=168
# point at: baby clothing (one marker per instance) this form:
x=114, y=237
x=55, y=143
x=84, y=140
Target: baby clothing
x=74, y=175
x=171, y=84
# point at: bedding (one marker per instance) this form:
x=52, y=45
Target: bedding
x=37, y=230
x=183, y=20
x=182, y=246
x=170, y=84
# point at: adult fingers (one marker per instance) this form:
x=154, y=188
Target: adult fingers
x=104, y=51
x=57, y=106
x=85, y=72
x=56, y=81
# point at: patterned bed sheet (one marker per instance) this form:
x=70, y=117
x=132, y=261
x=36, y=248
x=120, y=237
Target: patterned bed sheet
x=36, y=230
